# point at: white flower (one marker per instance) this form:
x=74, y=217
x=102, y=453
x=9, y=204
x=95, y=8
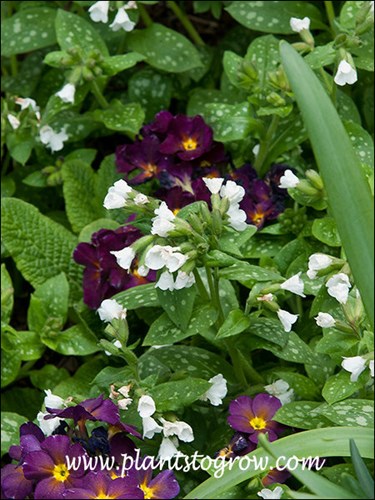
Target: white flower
x=184, y=280
x=268, y=297
x=217, y=391
x=53, y=401
x=214, y=184
x=141, y=199
x=124, y=403
x=294, y=285
x=237, y=217
x=162, y=224
x=124, y=257
x=159, y=256
x=178, y=428
x=371, y=367
x=146, y=406
x=280, y=389
x=165, y=281
x=288, y=180
x=318, y=261
x=14, y=121
x=99, y=12
x=271, y=494
x=168, y=449
x=50, y=425
x=298, y=25
x=67, y=93
x=338, y=287
x=325, y=320
x=53, y=140
x=26, y=102
x=256, y=149
x=122, y=21
x=131, y=5
x=355, y=365
x=117, y=344
x=233, y=192
x=150, y=427
x=110, y=309
x=345, y=74
x=287, y=319
x=143, y=271
x=117, y=195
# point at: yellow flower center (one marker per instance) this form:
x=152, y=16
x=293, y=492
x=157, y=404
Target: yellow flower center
x=103, y=495
x=61, y=472
x=148, y=493
x=258, y=423
x=189, y=144
x=176, y=210
x=258, y=217
x=150, y=169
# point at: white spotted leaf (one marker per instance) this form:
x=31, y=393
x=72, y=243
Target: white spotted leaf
x=350, y=412
x=10, y=424
x=121, y=117
x=339, y=387
x=139, y=296
x=172, y=396
x=178, y=304
x=298, y=414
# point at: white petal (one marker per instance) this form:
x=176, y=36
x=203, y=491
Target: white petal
x=184, y=280
x=67, y=93
x=122, y=21
x=325, y=320
x=214, y=184
x=124, y=257
x=217, y=391
x=99, y=12
x=141, y=199
x=233, y=192
x=345, y=74
x=124, y=403
x=53, y=401
x=271, y=494
x=150, y=427
x=298, y=25
x=355, y=365
x=317, y=262
x=26, y=102
x=53, y=140
x=287, y=319
x=256, y=149
x=167, y=449
x=371, y=367
x=50, y=425
x=237, y=217
x=338, y=287
x=165, y=281
x=288, y=180
x=14, y=121
x=110, y=309
x=294, y=285
x=178, y=428
x=146, y=406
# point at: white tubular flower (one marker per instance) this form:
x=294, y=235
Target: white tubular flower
x=256, y=149
x=298, y=25
x=124, y=403
x=122, y=21
x=294, y=285
x=355, y=365
x=325, y=320
x=124, y=390
x=217, y=391
x=67, y=93
x=141, y=199
x=124, y=257
x=184, y=280
x=179, y=428
x=117, y=344
x=287, y=319
x=214, y=184
x=317, y=262
x=159, y=256
x=51, y=139
x=346, y=74
x=268, y=297
x=53, y=401
x=14, y=121
x=110, y=309
x=338, y=287
x=150, y=427
x=162, y=224
x=165, y=281
x=371, y=367
x=280, y=389
x=143, y=271
x=288, y=180
x=267, y=494
x=237, y=217
x=50, y=425
x=146, y=406
x=99, y=12
x=233, y=192
x=26, y=102
x=168, y=449
x=117, y=195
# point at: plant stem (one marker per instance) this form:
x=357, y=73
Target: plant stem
x=147, y=21
x=260, y=165
x=200, y=285
x=186, y=23
x=236, y=363
x=331, y=16
x=98, y=94
x=13, y=65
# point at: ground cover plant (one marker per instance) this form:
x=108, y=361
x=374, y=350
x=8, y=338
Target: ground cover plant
x=187, y=249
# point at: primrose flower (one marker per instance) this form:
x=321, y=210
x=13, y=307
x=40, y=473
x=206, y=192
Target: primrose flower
x=124, y=257
x=162, y=224
x=338, y=287
x=117, y=195
x=122, y=21
x=345, y=74
x=51, y=139
x=178, y=428
x=13, y=482
x=150, y=427
x=287, y=319
x=110, y=309
x=14, y=121
x=288, y=180
x=164, y=485
x=267, y=494
x=254, y=416
x=99, y=12
x=214, y=184
x=294, y=285
x=280, y=389
x=317, y=262
x=67, y=93
x=159, y=256
x=298, y=25
x=355, y=365
x=146, y=406
x=238, y=446
x=325, y=320
x=217, y=391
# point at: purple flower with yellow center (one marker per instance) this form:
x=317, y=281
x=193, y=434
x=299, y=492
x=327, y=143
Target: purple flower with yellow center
x=49, y=467
x=103, y=277
x=143, y=156
x=254, y=416
x=188, y=137
x=99, y=484
x=163, y=486
x=13, y=482
x=259, y=213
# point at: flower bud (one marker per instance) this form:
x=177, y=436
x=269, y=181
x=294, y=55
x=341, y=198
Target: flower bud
x=217, y=222
x=275, y=99
x=250, y=70
x=87, y=74
x=315, y=179
x=196, y=223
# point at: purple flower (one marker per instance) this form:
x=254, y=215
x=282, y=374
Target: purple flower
x=214, y=158
x=259, y=213
x=159, y=126
x=103, y=277
x=238, y=446
x=98, y=408
x=254, y=416
x=49, y=467
x=100, y=485
x=13, y=482
x=188, y=138
x=244, y=176
x=275, y=476
x=163, y=486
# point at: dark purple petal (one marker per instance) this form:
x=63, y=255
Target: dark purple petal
x=242, y=406
x=123, y=488
x=49, y=488
x=13, y=482
x=102, y=409
x=275, y=476
x=31, y=428
x=244, y=176
x=128, y=428
x=38, y=465
x=75, y=412
x=265, y=406
x=240, y=423
x=29, y=443
x=160, y=124
x=121, y=444
x=164, y=485
x=15, y=452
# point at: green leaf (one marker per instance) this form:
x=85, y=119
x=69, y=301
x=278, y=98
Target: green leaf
x=347, y=108
x=339, y=387
x=178, y=304
x=236, y=322
x=87, y=232
x=304, y=387
x=298, y=414
x=173, y=396
x=336, y=344
x=80, y=383
x=139, y=296
x=273, y=17
x=321, y=56
x=10, y=365
x=121, y=117
x=296, y=350
x=362, y=473
x=75, y=341
x=263, y=53
x=350, y=412
x=262, y=246
x=110, y=375
x=10, y=429
x=290, y=133
x=48, y=376
x=199, y=98
x=7, y=293
x=269, y=329
x=232, y=66
x=40, y=247
x=20, y=144
x=349, y=195
x=28, y=30
x=245, y=272
x=74, y=31
x=325, y=230
x=16, y=398
x=362, y=142
x=27, y=344
x=116, y=64
x=231, y=122
x=164, y=48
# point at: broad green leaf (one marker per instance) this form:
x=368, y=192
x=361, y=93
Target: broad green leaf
x=164, y=48
x=233, y=67
x=110, y=375
x=10, y=365
x=7, y=292
x=77, y=126
x=75, y=341
x=80, y=383
x=236, y=322
x=325, y=230
x=262, y=246
x=243, y=272
x=290, y=133
x=150, y=366
x=173, y=396
x=139, y=296
x=27, y=344
x=320, y=372
x=20, y=144
x=48, y=376
x=28, y=30
x=339, y=387
x=362, y=142
x=10, y=430
x=121, y=117
x=303, y=387
x=349, y=195
x=363, y=475
x=323, y=55
x=350, y=412
x=364, y=54
x=22, y=399
x=269, y=329
x=27, y=77
x=178, y=304
x=347, y=108
x=74, y=31
x=116, y=64
x=201, y=97
x=231, y=122
x=337, y=344
x=40, y=247
x=273, y=17
x=263, y=53
x=298, y=414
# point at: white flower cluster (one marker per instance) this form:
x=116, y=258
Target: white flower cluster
x=50, y=401
x=124, y=401
x=281, y=390
x=356, y=365
x=110, y=309
x=99, y=14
